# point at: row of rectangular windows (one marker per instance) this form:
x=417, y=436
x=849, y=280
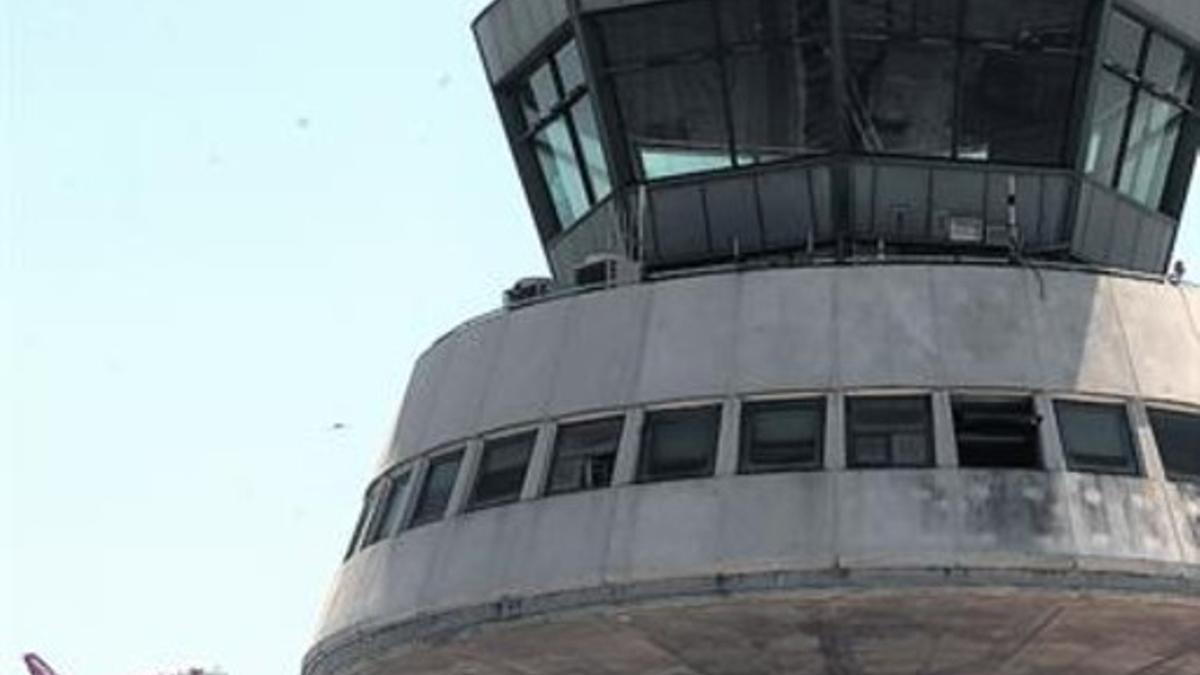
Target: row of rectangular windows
x=993, y=432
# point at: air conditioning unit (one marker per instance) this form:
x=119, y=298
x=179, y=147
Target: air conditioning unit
x=605, y=269
x=527, y=290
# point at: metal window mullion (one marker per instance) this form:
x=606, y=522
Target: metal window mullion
x=1131, y=113
x=723, y=71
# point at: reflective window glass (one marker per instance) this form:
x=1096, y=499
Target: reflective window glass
x=658, y=32
x=1168, y=68
x=773, y=21
x=1123, y=44
x=922, y=18
x=560, y=168
x=539, y=94
x=1096, y=437
x=437, y=489
x=1016, y=106
x=570, y=67
x=780, y=100
x=1110, y=109
x=501, y=472
x=901, y=98
x=1151, y=149
x=392, y=510
x=366, y=518
x=1178, y=437
x=675, y=119
x=782, y=436
x=594, y=160
x=996, y=432
x=887, y=432
x=679, y=444
x=584, y=455
x=1028, y=24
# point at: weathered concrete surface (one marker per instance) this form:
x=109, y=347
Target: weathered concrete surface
x=805, y=329
x=950, y=631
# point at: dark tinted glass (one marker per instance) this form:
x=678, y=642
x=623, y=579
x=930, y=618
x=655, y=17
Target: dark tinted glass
x=996, y=433
x=1178, y=436
x=1123, y=44
x=659, y=32
x=1030, y=24
x=570, y=67
x=501, y=471
x=781, y=102
x=365, y=518
x=1110, y=109
x=901, y=97
x=1168, y=67
x=679, y=444
x=773, y=21
x=594, y=161
x=916, y=18
x=539, y=94
x=1016, y=106
x=675, y=119
x=436, y=492
x=889, y=432
x=584, y=455
x=1096, y=437
x=782, y=436
x=1151, y=149
x=392, y=510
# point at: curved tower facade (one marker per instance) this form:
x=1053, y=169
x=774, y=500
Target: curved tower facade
x=861, y=354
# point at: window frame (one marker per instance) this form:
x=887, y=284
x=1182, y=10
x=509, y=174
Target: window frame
x=493, y=443
x=746, y=443
x=527, y=131
x=414, y=518
x=1135, y=467
x=643, y=476
x=618, y=418
x=1002, y=398
x=926, y=399
x=1153, y=409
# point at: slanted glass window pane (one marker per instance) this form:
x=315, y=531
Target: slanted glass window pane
x=1178, y=437
x=917, y=18
x=1096, y=437
x=1123, y=45
x=656, y=33
x=901, y=98
x=773, y=21
x=675, y=119
x=1112, y=102
x=594, y=160
x=782, y=436
x=501, y=472
x=392, y=510
x=996, y=432
x=885, y=432
x=1168, y=68
x=435, y=493
x=1029, y=24
x=366, y=518
x=678, y=444
x=1151, y=149
x=556, y=155
x=584, y=455
x=539, y=95
x=1016, y=106
x=570, y=67
x=781, y=101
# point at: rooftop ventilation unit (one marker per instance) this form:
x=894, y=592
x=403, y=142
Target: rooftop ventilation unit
x=527, y=290
x=605, y=269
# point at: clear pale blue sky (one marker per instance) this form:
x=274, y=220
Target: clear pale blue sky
x=225, y=226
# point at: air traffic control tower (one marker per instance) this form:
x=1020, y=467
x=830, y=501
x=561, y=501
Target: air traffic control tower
x=860, y=354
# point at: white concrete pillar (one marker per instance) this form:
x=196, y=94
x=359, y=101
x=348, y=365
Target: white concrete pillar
x=466, y=478
x=625, y=469
x=1052, y=451
x=1144, y=441
x=729, y=437
x=539, y=462
x=945, y=445
x=835, y=432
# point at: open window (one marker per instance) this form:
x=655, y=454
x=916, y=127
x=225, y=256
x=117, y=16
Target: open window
x=995, y=432
x=1096, y=437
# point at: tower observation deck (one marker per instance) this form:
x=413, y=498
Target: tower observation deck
x=860, y=354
